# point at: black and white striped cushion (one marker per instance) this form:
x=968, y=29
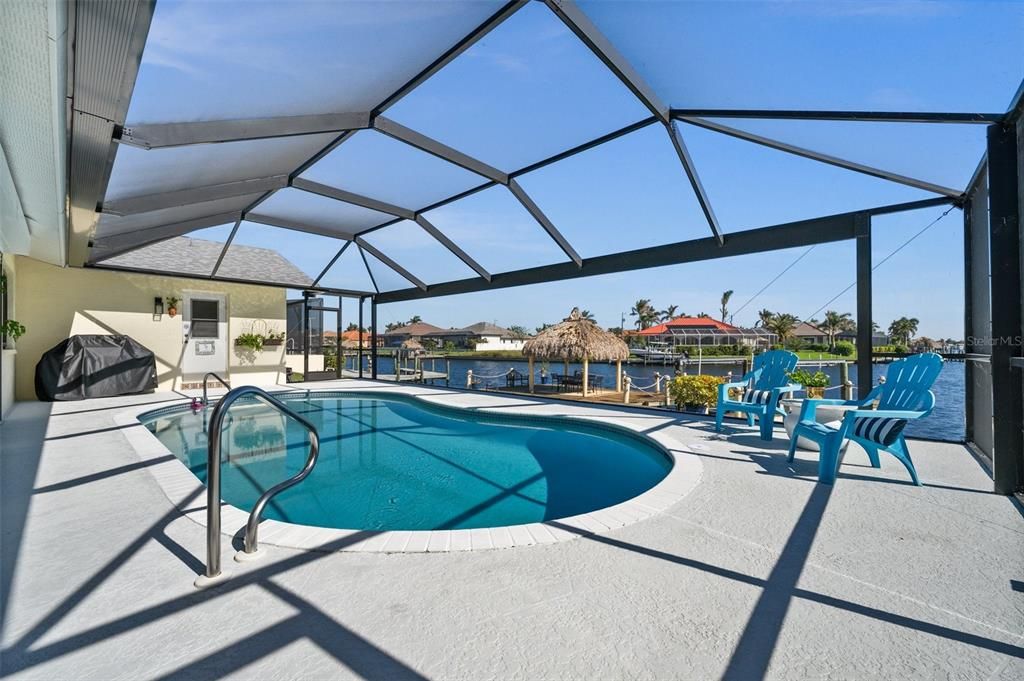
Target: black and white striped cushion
x=757, y=396
x=884, y=431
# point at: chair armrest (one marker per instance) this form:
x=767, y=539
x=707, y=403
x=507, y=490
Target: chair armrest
x=792, y=387
x=808, y=408
x=885, y=414
x=733, y=384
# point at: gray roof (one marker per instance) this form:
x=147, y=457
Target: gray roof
x=480, y=329
x=186, y=255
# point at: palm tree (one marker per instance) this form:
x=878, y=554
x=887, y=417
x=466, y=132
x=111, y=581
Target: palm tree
x=764, y=318
x=834, y=324
x=669, y=313
x=518, y=332
x=782, y=325
x=588, y=315
x=644, y=312
x=726, y=295
x=416, y=319
x=704, y=315
x=391, y=326
x=903, y=329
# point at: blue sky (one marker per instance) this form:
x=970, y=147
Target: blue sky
x=530, y=89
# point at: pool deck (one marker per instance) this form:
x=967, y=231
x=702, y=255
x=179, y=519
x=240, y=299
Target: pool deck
x=756, y=571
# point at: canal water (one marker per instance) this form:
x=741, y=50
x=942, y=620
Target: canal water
x=947, y=421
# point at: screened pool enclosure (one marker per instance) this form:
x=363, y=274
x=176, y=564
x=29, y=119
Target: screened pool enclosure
x=406, y=150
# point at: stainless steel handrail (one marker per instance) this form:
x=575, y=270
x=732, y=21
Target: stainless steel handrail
x=213, y=450
x=206, y=380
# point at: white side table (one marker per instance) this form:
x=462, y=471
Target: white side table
x=830, y=415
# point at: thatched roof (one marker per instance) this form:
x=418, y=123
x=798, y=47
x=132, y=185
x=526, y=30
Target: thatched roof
x=575, y=338
x=412, y=344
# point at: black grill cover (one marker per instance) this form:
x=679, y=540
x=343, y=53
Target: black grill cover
x=95, y=366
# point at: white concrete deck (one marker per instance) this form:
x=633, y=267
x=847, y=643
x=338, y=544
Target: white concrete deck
x=758, y=571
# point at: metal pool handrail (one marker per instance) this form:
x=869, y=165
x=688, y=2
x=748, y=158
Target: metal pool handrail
x=213, y=571
x=206, y=380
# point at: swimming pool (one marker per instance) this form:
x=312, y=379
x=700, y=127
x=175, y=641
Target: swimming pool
x=392, y=462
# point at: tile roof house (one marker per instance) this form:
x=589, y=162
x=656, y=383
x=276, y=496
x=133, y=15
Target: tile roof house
x=417, y=331
x=485, y=336
x=702, y=331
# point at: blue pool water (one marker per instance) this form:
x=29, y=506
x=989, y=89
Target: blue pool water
x=398, y=464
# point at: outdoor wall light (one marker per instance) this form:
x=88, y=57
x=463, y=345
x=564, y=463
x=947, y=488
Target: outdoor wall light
x=158, y=306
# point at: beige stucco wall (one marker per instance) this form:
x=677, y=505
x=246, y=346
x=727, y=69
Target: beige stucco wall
x=54, y=303
x=7, y=356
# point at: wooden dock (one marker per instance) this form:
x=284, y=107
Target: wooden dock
x=411, y=376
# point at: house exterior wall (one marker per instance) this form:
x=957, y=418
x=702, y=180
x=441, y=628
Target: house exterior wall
x=54, y=303
x=8, y=370
x=485, y=343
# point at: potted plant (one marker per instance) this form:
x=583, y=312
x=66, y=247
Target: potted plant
x=251, y=341
x=814, y=384
x=694, y=393
x=172, y=305
x=12, y=329
x=273, y=339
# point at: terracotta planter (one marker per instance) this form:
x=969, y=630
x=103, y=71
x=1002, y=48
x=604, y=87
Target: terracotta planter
x=815, y=393
x=273, y=342
x=172, y=311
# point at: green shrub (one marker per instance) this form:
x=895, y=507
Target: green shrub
x=253, y=341
x=711, y=350
x=901, y=349
x=816, y=347
x=12, y=329
x=844, y=349
x=694, y=391
x=818, y=379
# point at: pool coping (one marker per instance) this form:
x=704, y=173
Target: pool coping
x=187, y=493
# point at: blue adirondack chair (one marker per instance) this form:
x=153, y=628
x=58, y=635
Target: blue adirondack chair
x=906, y=394
x=762, y=388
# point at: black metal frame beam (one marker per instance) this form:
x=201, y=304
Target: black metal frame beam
x=823, y=158
x=229, y=280
x=1004, y=173
x=865, y=315
x=826, y=229
x=691, y=174
x=373, y=337
x=162, y=135
x=863, y=116
x=579, y=23
x=366, y=246
x=118, y=244
x=184, y=197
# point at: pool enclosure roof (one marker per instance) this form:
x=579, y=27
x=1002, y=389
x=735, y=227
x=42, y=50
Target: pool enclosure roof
x=403, y=150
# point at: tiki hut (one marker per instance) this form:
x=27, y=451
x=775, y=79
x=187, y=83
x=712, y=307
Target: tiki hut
x=413, y=346
x=576, y=338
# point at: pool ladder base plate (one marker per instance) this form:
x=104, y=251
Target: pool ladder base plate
x=204, y=582
x=243, y=557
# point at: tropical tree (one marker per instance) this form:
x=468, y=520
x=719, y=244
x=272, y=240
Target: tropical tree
x=543, y=326
x=903, y=329
x=834, y=324
x=782, y=325
x=645, y=313
x=764, y=318
x=391, y=326
x=416, y=319
x=726, y=295
x=669, y=313
x=518, y=331
x=588, y=315
x=704, y=315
